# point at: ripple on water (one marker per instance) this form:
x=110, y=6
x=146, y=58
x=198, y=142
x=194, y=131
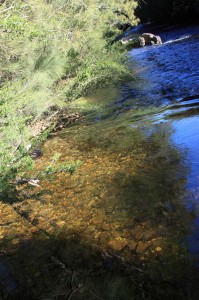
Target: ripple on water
x=126, y=199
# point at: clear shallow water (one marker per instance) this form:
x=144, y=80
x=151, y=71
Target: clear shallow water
x=135, y=197
x=174, y=81
x=187, y=135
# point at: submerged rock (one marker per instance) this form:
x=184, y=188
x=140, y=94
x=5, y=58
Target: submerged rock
x=146, y=39
x=142, y=247
x=104, y=238
x=36, y=153
x=117, y=244
x=132, y=245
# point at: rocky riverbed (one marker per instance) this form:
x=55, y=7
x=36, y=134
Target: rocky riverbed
x=118, y=224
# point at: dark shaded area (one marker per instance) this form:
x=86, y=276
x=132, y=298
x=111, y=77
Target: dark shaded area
x=155, y=193
x=168, y=11
x=13, y=192
x=68, y=268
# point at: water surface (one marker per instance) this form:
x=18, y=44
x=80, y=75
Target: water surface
x=122, y=223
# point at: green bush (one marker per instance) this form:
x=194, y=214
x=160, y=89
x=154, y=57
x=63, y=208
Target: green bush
x=45, y=43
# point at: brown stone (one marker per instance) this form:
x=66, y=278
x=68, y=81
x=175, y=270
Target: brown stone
x=132, y=245
x=106, y=227
x=148, y=235
x=139, y=235
x=60, y=223
x=125, y=234
x=116, y=234
x=158, y=249
x=98, y=218
x=157, y=242
x=142, y=247
x=15, y=241
x=118, y=244
x=137, y=232
x=90, y=229
x=104, y=238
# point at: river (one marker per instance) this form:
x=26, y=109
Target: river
x=174, y=81
x=125, y=224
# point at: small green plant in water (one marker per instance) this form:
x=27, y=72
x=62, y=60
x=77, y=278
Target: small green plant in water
x=54, y=167
x=70, y=167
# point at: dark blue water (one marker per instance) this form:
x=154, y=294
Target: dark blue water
x=169, y=72
x=187, y=136
x=169, y=77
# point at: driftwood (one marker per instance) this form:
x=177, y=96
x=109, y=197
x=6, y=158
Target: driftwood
x=31, y=181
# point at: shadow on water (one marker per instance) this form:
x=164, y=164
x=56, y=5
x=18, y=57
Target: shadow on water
x=113, y=230
x=117, y=238
x=116, y=228
x=156, y=190
x=64, y=267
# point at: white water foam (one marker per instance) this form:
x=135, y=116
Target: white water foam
x=180, y=39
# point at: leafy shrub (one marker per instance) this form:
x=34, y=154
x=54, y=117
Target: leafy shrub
x=44, y=43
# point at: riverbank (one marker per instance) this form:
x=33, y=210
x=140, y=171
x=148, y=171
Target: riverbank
x=47, y=63
x=117, y=226
x=53, y=121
